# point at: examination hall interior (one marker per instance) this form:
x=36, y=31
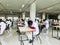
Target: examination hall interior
x=29, y=22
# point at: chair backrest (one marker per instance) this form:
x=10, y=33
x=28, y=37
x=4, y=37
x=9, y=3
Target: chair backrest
x=39, y=30
x=20, y=33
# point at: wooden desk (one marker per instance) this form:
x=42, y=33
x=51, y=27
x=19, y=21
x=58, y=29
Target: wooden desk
x=57, y=32
x=19, y=25
x=25, y=29
x=57, y=26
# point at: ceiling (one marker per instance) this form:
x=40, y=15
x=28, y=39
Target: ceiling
x=49, y=6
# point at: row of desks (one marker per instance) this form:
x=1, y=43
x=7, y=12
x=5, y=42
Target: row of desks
x=25, y=29
x=57, y=37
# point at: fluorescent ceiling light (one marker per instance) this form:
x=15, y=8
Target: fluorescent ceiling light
x=23, y=5
x=50, y=8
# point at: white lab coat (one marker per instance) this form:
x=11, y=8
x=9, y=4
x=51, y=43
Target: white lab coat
x=26, y=25
x=36, y=28
x=9, y=22
x=3, y=27
x=47, y=24
x=35, y=32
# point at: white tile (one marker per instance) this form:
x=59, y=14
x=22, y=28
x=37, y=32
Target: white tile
x=12, y=39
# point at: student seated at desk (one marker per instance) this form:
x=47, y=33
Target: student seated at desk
x=2, y=27
x=34, y=26
x=21, y=22
x=42, y=25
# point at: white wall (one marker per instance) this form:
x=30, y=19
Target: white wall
x=9, y=16
x=58, y=16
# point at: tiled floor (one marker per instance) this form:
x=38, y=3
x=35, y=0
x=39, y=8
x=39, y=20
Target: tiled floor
x=12, y=39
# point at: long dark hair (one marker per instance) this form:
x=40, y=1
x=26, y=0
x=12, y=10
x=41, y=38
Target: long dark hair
x=0, y=20
x=30, y=22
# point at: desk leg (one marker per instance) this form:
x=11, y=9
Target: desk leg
x=52, y=31
x=21, y=41
x=57, y=37
x=57, y=33
x=32, y=37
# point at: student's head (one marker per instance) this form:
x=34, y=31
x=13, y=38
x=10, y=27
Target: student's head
x=22, y=20
x=44, y=19
x=7, y=20
x=0, y=20
x=30, y=22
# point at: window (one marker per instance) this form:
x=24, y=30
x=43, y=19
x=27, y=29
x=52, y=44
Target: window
x=2, y=18
x=9, y=18
x=15, y=18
